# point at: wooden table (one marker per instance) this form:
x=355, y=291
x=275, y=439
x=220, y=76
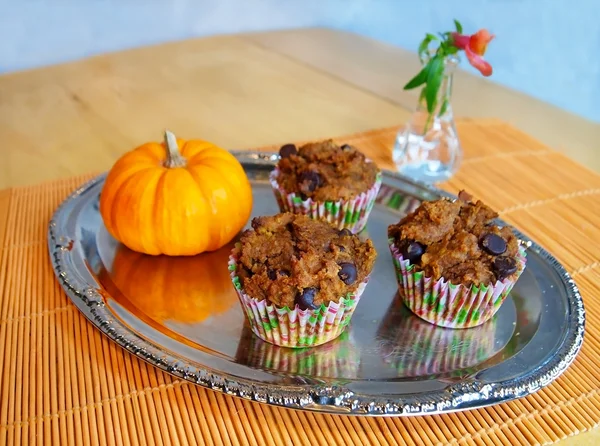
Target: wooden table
x=239, y=91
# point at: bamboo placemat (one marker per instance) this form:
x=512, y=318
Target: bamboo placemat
x=62, y=382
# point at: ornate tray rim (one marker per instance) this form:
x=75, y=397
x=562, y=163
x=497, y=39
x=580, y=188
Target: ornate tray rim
x=464, y=395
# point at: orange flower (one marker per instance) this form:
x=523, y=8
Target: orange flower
x=475, y=46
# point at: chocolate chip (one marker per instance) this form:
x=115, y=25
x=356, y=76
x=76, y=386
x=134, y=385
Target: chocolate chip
x=347, y=273
x=346, y=147
x=504, y=267
x=493, y=244
x=306, y=298
x=345, y=232
x=310, y=180
x=411, y=250
x=341, y=248
x=287, y=150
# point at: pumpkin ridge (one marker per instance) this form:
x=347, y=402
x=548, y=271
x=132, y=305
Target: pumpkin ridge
x=115, y=181
x=123, y=200
x=147, y=183
x=118, y=191
x=116, y=198
x=149, y=153
x=155, y=218
x=231, y=182
x=192, y=149
x=207, y=155
x=198, y=181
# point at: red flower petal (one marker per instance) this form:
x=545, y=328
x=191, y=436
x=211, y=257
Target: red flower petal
x=460, y=41
x=478, y=62
x=478, y=42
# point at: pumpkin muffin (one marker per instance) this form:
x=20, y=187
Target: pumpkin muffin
x=328, y=182
x=454, y=266
x=299, y=280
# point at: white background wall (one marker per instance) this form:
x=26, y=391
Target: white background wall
x=549, y=49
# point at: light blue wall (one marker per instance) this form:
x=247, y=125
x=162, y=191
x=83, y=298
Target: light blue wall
x=546, y=48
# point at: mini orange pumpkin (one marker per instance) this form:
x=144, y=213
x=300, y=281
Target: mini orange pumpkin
x=178, y=289
x=176, y=198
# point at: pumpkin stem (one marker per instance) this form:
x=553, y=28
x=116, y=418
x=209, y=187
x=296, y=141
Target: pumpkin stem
x=174, y=158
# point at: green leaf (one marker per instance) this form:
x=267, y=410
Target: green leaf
x=424, y=46
x=419, y=79
x=459, y=29
x=434, y=80
x=444, y=107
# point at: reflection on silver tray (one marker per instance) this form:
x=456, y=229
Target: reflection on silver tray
x=387, y=362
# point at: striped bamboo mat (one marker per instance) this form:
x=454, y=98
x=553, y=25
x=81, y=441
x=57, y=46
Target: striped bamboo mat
x=62, y=382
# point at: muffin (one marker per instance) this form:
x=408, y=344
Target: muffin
x=298, y=279
x=328, y=182
x=454, y=266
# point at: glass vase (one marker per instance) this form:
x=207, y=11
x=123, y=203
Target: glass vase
x=427, y=148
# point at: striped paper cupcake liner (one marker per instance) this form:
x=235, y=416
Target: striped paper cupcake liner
x=392, y=198
x=343, y=214
x=416, y=349
x=340, y=358
x=295, y=327
x=445, y=304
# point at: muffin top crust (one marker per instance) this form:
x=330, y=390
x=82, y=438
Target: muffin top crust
x=291, y=259
x=458, y=241
x=325, y=171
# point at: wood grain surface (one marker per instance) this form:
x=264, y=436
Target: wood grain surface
x=238, y=91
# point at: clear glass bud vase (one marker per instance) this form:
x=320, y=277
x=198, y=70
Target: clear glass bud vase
x=427, y=148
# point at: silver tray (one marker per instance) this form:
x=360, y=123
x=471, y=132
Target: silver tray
x=387, y=362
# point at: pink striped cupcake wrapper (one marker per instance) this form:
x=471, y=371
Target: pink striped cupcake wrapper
x=295, y=328
x=343, y=214
x=445, y=304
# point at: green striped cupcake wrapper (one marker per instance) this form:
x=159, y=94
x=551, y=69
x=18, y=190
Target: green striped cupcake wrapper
x=294, y=327
x=343, y=214
x=445, y=304
x=397, y=200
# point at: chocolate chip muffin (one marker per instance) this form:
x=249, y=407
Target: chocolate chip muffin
x=325, y=171
x=456, y=240
x=456, y=246
x=327, y=181
x=290, y=268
